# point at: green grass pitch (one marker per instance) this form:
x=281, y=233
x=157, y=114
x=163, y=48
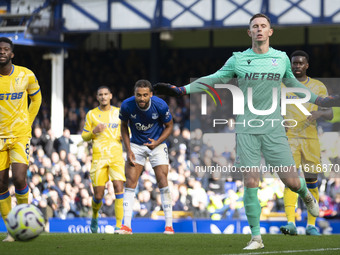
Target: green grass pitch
x=95, y=244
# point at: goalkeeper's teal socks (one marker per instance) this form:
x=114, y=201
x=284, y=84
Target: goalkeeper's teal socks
x=253, y=209
x=302, y=191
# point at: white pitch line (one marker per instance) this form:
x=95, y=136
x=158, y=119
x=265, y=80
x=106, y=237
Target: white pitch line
x=291, y=251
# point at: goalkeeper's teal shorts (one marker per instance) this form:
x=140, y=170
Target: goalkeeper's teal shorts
x=275, y=150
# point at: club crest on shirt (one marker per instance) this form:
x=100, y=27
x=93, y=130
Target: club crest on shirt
x=237, y=160
x=167, y=114
x=274, y=62
x=154, y=116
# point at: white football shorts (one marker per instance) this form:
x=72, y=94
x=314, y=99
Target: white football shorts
x=157, y=156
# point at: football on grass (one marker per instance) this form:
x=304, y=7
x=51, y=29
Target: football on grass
x=25, y=222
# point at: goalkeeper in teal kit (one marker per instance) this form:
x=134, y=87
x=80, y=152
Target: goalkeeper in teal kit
x=262, y=69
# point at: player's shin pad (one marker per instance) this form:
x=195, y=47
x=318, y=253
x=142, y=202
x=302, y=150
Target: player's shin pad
x=330, y=101
x=168, y=89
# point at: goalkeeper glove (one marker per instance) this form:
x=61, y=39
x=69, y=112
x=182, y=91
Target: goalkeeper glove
x=168, y=89
x=330, y=101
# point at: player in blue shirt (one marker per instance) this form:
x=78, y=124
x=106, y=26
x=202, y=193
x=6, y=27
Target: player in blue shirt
x=150, y=123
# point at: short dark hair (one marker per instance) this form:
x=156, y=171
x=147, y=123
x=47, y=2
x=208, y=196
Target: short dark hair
x=260, y=15
x=7, y=40
x=300, y=53
x=142, y=84
x=104, y=87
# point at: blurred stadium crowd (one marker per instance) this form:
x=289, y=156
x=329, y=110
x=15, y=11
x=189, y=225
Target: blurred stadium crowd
x=59, y=177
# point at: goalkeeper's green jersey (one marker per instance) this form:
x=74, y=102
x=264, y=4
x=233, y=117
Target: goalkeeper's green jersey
x=262, y=73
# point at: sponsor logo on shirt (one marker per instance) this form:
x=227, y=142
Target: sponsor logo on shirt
x=292, y=97
x=133, y=116
x=142, y=127
x=112, y=125
x=11, y=96
x=263, y=76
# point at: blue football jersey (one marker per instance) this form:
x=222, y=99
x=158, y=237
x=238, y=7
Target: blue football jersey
x=148, y=123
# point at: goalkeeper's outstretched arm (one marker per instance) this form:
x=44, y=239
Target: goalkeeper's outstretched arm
x=197, y=86
x=221, y=76
x=329, y=101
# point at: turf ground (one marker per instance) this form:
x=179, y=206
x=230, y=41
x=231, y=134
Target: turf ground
x=97, y=244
